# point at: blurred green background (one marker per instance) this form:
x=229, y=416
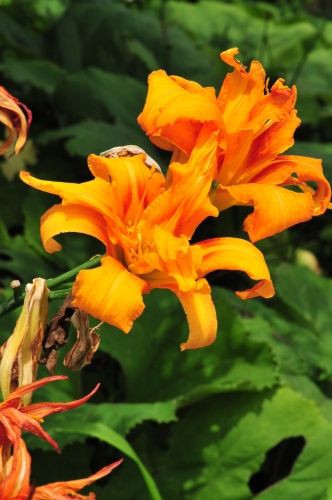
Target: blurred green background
x=252, y=414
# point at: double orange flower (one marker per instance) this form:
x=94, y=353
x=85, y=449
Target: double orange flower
x=225, y=152
x=15, y=461
x=254, y=126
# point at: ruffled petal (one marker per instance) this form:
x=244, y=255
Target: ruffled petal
x=185, y=203
x=240, y=91
x=110, y=293
x=201, y=316
x=298, y=170
x=134, y=184
x=275, y=208
x=66, y=489
x=175, y=109
x=235, y=254
x=61, y=219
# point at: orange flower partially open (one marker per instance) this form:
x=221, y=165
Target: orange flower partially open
x=254, y=126
x=16, y=117
x=146, y=225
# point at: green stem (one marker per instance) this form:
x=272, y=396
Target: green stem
x=17, y=300
x=52, y=282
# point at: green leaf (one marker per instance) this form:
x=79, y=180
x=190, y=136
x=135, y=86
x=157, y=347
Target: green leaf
x=40, y=73
x=232, y=442
x=98, y=429
x=151, y=352
x=98, y=94
x=90, y=136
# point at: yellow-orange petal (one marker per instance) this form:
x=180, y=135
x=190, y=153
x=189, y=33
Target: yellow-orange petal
x=15, y=482
x=235, y=254
x=284, y=169
x=134, y=184
x=275, y=208
x=185, y=202
x=97, y=195
x=201, y=316
x=61, y=219
x=68, y=489
x=240, y=91
x=175, y=110
x=110, y=293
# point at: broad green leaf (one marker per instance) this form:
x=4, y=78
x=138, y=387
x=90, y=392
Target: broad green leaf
x=230, y=446
x=97, y=94
x=151, y=352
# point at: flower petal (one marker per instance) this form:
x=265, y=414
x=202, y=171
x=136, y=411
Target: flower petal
x=96, y=195
x=61, y=219
x=185, y=203
x=110, y=293
x=41, y=410
x=133, y=182
x=235, y=254
x=15, y=120
x=175, y=109
x=275, y=208
x=240, y=91
x=306, y=169
x=28, y=388
x=16, y=484
x=66, y=489
x=201, y=316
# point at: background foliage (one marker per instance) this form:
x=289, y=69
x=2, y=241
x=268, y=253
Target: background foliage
x=252, y=414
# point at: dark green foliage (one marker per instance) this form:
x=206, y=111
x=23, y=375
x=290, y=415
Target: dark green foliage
x=194, y=425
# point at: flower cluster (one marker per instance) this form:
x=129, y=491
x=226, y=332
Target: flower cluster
x=226, y=151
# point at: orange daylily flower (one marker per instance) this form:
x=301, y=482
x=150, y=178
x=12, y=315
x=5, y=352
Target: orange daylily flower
x=254, y=126
x=16, y=117
x=146, y=225
x=15, y=461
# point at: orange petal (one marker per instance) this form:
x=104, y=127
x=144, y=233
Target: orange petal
x=133, y=182
x=235, y=254
x=306, y=169
x=61, y=219
x=96, y=195
x=14, y=422
x=16, y=483
x=175, y=109
x=28, y=388
x=185, y=203
x=64, y=489
x=41, y=410
x=201, y=316
x=275, y=208
x=15, y=120
x=240, y=91
x=110, y=293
